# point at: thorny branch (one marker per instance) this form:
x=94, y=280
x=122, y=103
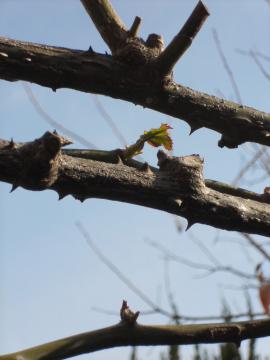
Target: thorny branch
x=133, y=74
x=177, y=186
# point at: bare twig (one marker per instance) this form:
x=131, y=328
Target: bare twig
x=115, y=269
x=55, y=124
x=257, y=53
x=260, y=65
x=182, y=41
x=257, y=246
x=227, y=67
x=249, y=164
x=116, y=131
x=195, y=265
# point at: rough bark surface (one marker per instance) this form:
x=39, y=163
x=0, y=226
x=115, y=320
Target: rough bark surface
x=140, y=82
x=177, y=187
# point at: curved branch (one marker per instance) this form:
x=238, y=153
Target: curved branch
x=177, y=187
x=130, y=333
x=102, y=74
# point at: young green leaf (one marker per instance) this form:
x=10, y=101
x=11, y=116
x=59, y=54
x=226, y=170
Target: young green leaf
x=155, y=137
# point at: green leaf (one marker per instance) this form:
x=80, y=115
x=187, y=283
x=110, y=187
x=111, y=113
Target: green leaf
x=155, y=137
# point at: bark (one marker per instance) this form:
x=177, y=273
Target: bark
x=129, y=333
x=177, y=186
x=133, y=75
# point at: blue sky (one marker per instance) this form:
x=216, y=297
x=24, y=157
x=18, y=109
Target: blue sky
x=50, y=280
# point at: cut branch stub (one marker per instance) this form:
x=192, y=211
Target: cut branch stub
x=187, y=170
x=128, y=317
x=35, y=164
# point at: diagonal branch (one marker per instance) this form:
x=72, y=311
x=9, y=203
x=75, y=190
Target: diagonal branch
x=183, y=40
x=108, y=23
x=95, y=73
x=177, y=187
x=129, y=333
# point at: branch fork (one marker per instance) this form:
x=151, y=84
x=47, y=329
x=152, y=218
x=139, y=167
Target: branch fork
x=127, y=47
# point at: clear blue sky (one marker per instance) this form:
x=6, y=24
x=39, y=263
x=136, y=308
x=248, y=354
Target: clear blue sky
x=49, y=279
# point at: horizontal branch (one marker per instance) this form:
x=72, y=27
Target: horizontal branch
x=102, y=74
x=129, y=333
x=177, y=187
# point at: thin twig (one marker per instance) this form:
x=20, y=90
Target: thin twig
x=208, y=268
x=260, y=65
x=116, y=131
x=116, y=270
x=55, y=124
x=227, y=67
x=256, y=245
x=258, y=53
x=249, y=164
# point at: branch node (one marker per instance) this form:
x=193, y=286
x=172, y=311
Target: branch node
x=128, y=316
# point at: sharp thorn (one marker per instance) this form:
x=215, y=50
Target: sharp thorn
x=90, y=49
x=13, y=188
x=61, y=196
x=146, y=168
x=193, y=129
x=189, y=224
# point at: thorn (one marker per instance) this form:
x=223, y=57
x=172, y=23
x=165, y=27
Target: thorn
x=61, y=196
x=106, y=53
x=119, y=160
x=91, y=49
x=81, y=198
x=194, y=128
x=55, y=132
x=146, y=168
x=14, y=187
x=11, y=144
x=178, y=202
x=189, y=224
x=54, y=89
